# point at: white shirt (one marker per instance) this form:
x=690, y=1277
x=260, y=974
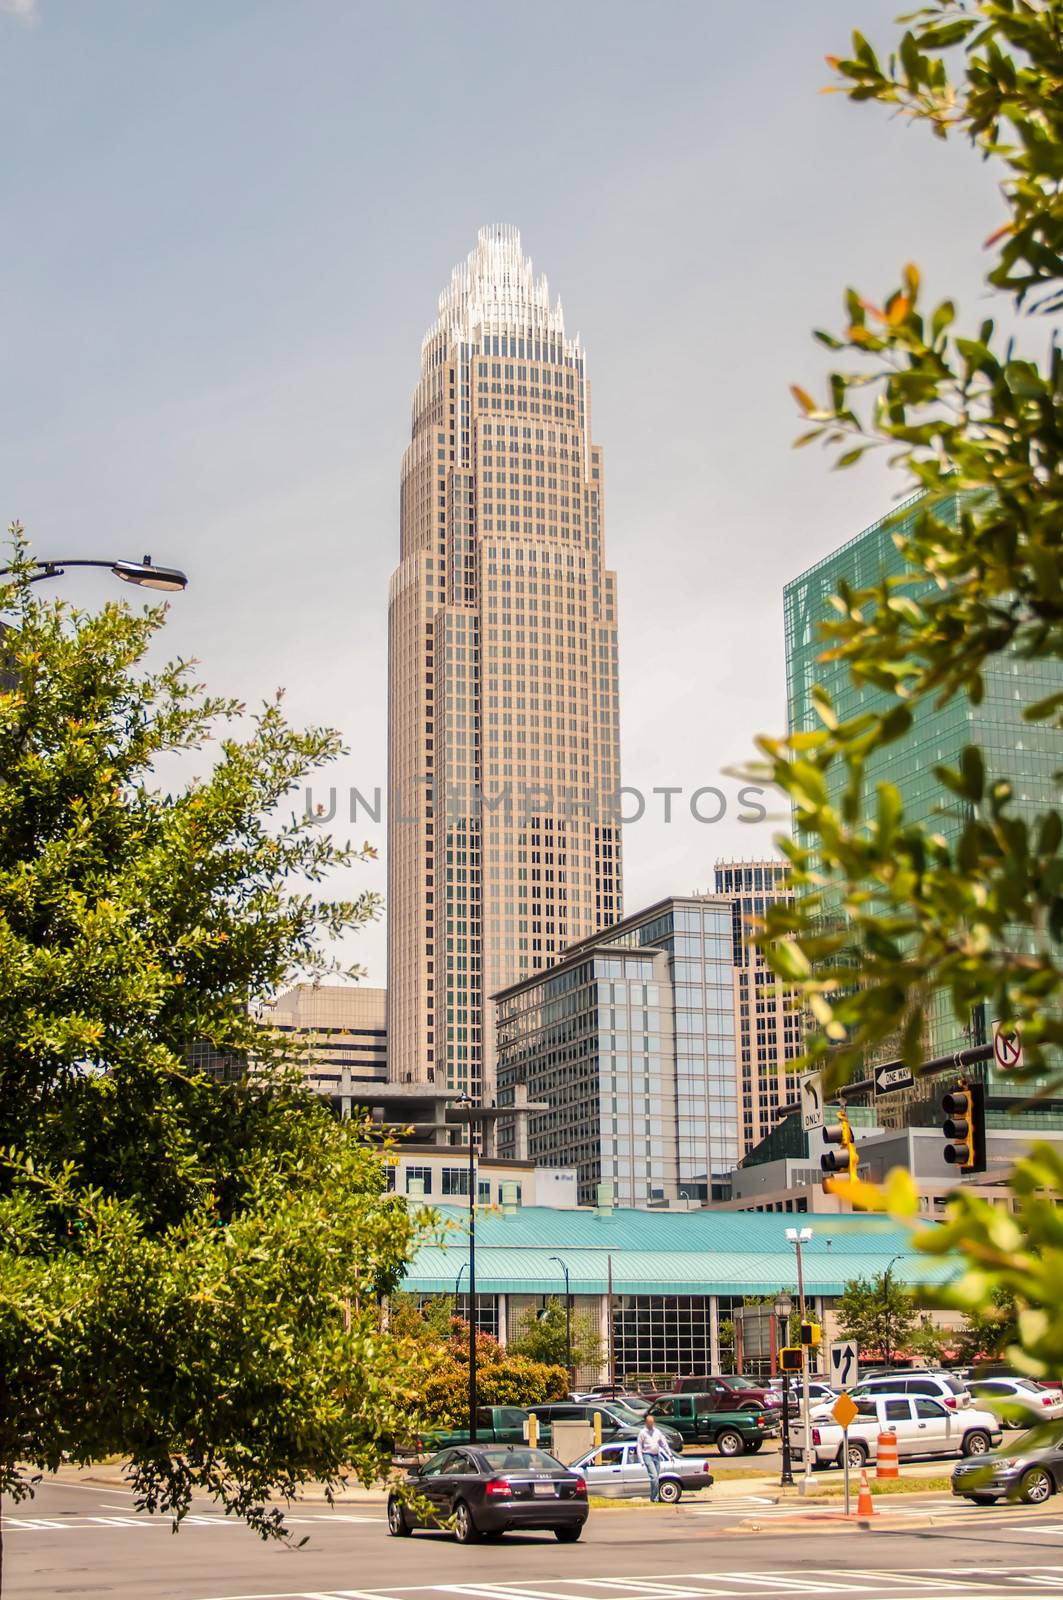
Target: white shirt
x=653, y=1444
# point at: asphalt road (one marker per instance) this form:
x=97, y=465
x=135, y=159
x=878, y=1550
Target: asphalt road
x=78, y=1539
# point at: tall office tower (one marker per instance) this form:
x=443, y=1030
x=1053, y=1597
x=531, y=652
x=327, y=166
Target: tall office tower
x=503, y=739
x=1026, y=753
x=768, y=1031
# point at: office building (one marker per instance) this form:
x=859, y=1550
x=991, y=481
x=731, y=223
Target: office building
x=768, y=1026
x=337, y=1033
x=630, y=1040
x=1027, y=754
x=503, y=739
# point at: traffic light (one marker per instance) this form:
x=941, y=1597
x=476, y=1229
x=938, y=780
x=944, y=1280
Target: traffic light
x=811, y=1333
x=843, y=1160
x=964, y=1126
x=791, y=1358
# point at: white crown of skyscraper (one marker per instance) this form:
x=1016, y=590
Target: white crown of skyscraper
x=496, y=291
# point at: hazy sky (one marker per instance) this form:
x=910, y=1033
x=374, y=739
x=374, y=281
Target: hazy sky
x=226, y=223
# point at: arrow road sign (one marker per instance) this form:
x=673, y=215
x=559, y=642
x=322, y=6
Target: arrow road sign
x=811, y=1101
x=844, y=1364
x=1007, y=1047
x=889, y=1078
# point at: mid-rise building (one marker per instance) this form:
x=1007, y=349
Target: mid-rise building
x=630, y=1040
x=768, y=1030
x=339, y=1035
x=503, y=736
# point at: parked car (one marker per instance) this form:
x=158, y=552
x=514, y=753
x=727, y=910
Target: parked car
x=935, y=1385
x=494, y=1425
x=493, y=1490
x=923, y=1427
x=615, y=1424
x=1019, y=1402
x=1030, y=1469
x=617, y=1471
x=819, y=1394
x=735, y=1392
x=699, y=1420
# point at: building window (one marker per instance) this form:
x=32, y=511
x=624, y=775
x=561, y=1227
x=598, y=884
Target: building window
x=422, y=1173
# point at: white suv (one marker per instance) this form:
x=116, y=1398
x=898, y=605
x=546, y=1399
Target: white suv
x=933, y=1385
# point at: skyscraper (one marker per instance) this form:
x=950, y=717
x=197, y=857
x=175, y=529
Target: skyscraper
x=503, y=739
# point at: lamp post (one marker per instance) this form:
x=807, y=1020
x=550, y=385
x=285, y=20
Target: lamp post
x=568, y=1322
x=145, y=574
x=798, y=1237
x=887, y=1284
x=783, y=1306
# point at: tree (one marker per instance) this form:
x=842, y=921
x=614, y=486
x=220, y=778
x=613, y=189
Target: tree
x=986, y=1333
x=879, y=1314
x=503, y=1377
x=888, y=918
x=190, y=1271
x=929, y=1342
x=544, y=1338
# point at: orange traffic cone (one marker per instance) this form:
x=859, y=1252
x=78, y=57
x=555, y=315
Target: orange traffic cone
x=865, y=1506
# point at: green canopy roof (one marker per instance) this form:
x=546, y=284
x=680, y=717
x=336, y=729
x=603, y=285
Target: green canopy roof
x=667, y=1252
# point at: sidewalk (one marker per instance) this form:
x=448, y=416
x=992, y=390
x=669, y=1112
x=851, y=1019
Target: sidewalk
x=824, y=1487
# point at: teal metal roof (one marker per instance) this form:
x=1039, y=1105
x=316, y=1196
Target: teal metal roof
x=662, y=1252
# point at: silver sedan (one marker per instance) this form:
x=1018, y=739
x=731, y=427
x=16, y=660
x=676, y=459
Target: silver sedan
x=615, y=1470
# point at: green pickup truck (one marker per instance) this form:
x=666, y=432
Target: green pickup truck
x=494, y=1425
x=699, y=1420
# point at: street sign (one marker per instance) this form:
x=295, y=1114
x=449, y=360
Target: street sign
x=1007, y=1047
x=811, y=1101
x=844, y=1364
x=843, y=1410
x=887, y=1079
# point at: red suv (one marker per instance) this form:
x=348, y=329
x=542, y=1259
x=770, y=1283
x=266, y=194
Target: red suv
x=743, y=1394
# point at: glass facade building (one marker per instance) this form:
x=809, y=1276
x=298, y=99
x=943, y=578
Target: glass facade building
x=1028, y=755
x=630, y=1040
x=768, y=1031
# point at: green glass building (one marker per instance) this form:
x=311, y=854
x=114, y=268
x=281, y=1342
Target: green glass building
x=1028, y=755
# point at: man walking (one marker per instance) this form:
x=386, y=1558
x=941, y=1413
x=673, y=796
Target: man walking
x=652, y=1450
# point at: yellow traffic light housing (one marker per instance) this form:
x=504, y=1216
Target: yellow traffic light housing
x=964, y=1126
x=791, y=1358
x=846, y=1159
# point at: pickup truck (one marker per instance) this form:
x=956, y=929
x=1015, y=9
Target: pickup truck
x=923, y=1427
x=698, y=1419
x=494, y=1425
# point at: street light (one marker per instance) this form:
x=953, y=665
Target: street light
x=568, y=1322
x=783, y=1307
x=145, y=574
x=887, y=1284
x=457, y=1281
x=798, y=1237
x=467, y=1105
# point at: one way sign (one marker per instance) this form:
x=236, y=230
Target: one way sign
x=889, y=1078
x=844, y=1364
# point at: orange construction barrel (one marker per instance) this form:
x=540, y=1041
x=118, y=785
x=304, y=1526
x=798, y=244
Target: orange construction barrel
x=886, y=1465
